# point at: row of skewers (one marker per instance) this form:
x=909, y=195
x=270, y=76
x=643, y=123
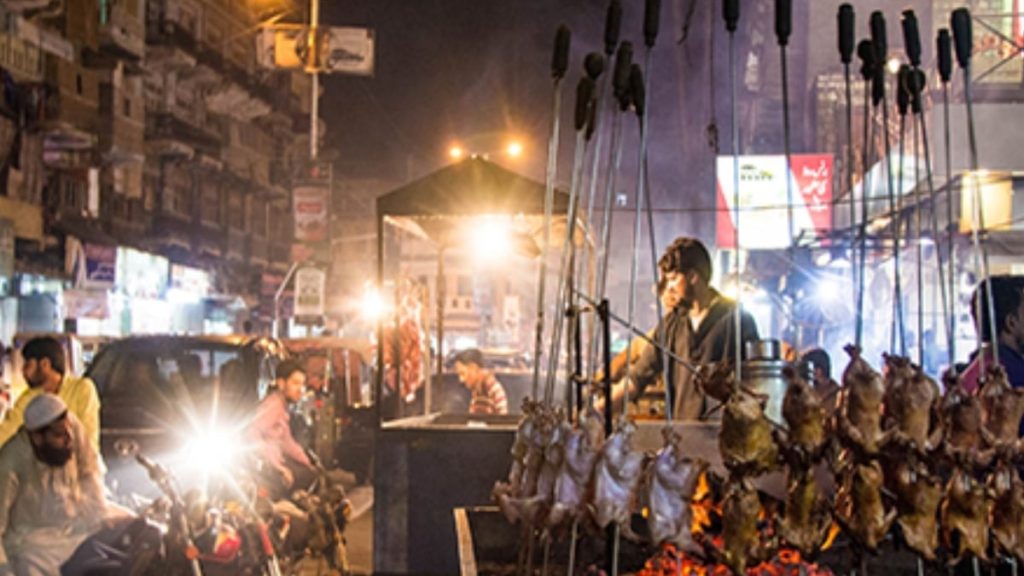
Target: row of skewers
x=942, y=467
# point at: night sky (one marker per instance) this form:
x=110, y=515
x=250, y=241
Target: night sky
x=472, y=69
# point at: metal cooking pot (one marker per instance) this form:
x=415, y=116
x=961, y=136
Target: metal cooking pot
x=762, y=374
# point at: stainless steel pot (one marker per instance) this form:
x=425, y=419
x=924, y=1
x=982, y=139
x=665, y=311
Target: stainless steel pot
x=762, y=373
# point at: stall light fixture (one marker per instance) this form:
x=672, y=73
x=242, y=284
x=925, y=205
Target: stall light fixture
x=456, y=152
x=373, y=306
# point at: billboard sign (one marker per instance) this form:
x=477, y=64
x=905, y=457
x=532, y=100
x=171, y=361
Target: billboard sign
x=310, y=284
x=310, y=207
x=763, y=213
x=342, y=50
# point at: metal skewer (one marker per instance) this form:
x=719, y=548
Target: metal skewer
x=912, y=41
x=944, y=57
x=783, y=29
x=880, y=44
x=960, y=22
x=867, y=70
x=731, y=14
x=845, y=21
x=559, y=64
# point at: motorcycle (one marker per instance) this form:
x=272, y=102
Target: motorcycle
x=178, y=536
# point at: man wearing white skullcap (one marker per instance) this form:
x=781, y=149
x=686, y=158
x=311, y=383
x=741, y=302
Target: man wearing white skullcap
x=51, y=490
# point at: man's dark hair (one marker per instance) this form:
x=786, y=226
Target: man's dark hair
x=287, y=368
x=686, y=254
x=817, y=358
x=1007, y=293
x=471, y=356
x=45, y=347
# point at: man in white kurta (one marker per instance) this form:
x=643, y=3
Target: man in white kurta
x=51, y=490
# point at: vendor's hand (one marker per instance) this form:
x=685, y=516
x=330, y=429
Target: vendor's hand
x=287, y=477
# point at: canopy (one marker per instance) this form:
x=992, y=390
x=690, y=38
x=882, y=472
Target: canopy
x=473, y=186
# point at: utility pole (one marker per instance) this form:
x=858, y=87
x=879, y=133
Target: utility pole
x=314, y=70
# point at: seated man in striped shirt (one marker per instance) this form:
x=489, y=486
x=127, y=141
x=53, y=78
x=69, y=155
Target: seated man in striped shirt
x=488, y=396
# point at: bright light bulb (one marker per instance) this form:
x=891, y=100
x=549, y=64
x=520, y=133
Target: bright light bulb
x=514, y=149
x=456, y=152
x=374, y=307
x=893, y=65
x=491, y=239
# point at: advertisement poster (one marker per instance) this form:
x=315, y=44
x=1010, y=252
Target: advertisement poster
x=93, y=266
x=310, y=204
x=763, y=198
x=309, y=292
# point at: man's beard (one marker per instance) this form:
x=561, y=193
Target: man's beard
x=53, y=457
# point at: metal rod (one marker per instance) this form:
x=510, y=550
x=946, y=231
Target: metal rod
x=862, y=229
x=547, y=554
x=661, y=335
x=920, y=248
x=738, y=313
x=951, y=228
x=979, y=225
x=604, y=249
x=849, y=177
x=897, y=218
x=787, y=146
x=897, y=275
x=567, y=261
x=551, y=173
x=314, y=106
x=947, y=308
x=640, y=334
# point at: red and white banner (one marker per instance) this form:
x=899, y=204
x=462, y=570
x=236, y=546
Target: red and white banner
x=763, y=199
x=310, y=204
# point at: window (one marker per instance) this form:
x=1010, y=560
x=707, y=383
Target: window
x=78, y=84
x=258, y=219
x=210, y=207
x=236, y=211
x=127, y=107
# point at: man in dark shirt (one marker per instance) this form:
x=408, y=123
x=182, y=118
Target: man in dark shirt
x=1008, y=300
x=700, y=329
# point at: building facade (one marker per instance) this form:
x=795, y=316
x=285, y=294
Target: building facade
x=148, y=161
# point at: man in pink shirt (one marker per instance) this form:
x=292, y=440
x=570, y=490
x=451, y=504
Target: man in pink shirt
x=270, y=430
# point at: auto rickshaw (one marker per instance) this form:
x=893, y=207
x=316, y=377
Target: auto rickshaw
x=339, y=403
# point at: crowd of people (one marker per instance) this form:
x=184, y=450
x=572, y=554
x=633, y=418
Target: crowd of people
x=52, y=490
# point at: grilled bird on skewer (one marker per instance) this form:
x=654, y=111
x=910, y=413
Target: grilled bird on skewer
x=745, y=439
x=859, y=418
x=504, y=491
x=805, y=438
x=535, y=506
x=1002, y=409
x=717, y=380
x=860, y=510
x=918, y=496
x=673, y=481
x=911, y=400
x=616, y=476
x=807, y=520
x=582, y=446
x=965, y=515
x=538, y=435
x=1007, y=511
x=965, y=438
x=741, y=540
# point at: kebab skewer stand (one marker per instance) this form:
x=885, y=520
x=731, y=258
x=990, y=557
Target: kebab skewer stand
x=430, y=455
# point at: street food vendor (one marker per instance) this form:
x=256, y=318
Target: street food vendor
x=700, y=329
x=488, y=395
x=1008, y=303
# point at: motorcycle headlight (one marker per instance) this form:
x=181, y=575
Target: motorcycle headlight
x=212, y=451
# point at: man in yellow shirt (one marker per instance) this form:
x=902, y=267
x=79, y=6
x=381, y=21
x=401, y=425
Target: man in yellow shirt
x=45, y=371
